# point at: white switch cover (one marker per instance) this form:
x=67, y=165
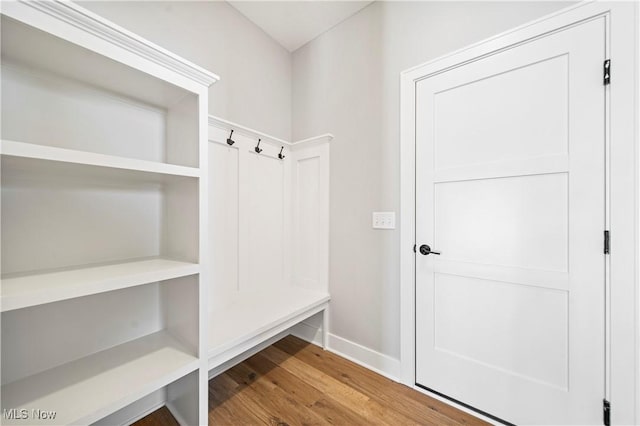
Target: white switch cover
x=384, y=220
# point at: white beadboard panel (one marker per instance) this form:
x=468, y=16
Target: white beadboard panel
x=265, y=214
x=308, y=229
x=310, y=189
x=224, y=226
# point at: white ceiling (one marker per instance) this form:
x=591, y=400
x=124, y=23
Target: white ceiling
x=295, y=23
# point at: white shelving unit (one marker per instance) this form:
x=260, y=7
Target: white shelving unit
x=84, y=391
x=104, y=201
x=37, y=289
x=269, y=252
x=21, y=150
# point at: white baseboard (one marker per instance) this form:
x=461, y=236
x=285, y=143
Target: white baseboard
x=355, y=352
x=368, y=358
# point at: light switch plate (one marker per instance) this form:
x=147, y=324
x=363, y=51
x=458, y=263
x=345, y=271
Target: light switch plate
x=384, y=220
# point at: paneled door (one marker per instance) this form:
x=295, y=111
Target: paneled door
x=510, y=217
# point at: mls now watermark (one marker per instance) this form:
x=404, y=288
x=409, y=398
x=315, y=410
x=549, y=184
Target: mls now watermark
x=28, y=414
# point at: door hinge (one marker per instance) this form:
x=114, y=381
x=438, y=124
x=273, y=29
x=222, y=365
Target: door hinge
x=607, y=243
x=606, y=72
x=606, y=412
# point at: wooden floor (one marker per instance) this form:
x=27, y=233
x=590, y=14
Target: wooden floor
x=296, y=383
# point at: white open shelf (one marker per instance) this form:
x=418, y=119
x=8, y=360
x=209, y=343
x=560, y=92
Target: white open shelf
x=85, y=390
x=30, y=290
x=257, y=316
x=62, y=155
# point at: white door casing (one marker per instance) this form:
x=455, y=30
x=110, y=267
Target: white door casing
x=510, y=187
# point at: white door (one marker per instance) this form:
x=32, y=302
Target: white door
x=510, y=188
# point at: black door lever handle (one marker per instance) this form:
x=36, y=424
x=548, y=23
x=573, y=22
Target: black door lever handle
x=426, y=250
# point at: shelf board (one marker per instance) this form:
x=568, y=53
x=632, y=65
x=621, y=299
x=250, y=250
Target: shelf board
x=48, y=153
x=30, y=290
x=253, y=314
x=88, y=389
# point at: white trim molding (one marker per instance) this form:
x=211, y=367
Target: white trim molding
x=239, y=129
x=623, y=136
x=636, y=233
x=227, y=126
x=73, y=23
x=313, y=141
x=92, y=23
x=380, y=363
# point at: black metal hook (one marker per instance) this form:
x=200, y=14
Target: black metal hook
x=229, y=140
x=280, y=156
x=257, y=148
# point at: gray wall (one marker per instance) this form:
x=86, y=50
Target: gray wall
x=347, y=82
x=255, y=71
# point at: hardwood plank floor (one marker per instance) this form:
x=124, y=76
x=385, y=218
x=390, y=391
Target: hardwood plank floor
x=161, y=416
x=294, y=382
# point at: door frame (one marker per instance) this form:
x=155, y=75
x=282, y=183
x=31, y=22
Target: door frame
x=622, y=142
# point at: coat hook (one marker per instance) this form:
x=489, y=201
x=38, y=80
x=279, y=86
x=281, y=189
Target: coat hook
x=229, y=140
x=280, y=156
x=257, y=148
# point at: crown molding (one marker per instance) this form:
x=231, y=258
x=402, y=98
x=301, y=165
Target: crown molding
x=93, y=24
